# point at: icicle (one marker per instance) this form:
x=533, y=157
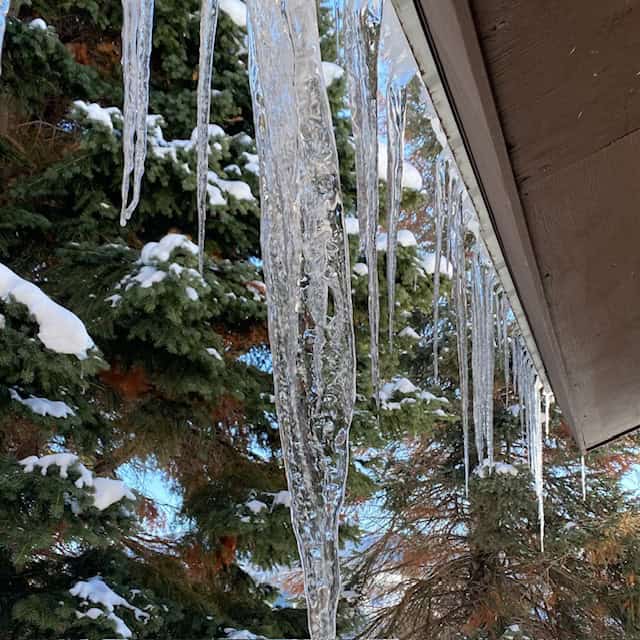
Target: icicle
x=583, y=474
x=483, y=351
x=361, y=23
x=137, y=29
x=505, y=344
x=4, y=11
x=306, y=266
x=548, y=399
x=208, y=24
x=396, y=117
x=456, y=239
x=440, y=214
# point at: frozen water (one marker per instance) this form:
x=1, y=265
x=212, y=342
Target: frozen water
x=307, y=275
x=396, y=118
x=208, y=24
x=583, y=477
x=4, y=10
x=483, y=350
x=137, y=30
x=361, y=24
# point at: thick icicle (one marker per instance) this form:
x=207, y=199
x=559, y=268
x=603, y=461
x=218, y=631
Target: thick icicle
x=208, y=24
x=396, y=118
x=306, y=266
x=361, y=23
x=4, y=11
x=137, y=30
x=583, y=476
x=483, y=350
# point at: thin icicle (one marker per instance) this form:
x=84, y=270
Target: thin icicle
x=137, y=30
x=208, y=25
x=361, y=23
x=456, y=239
x=440, y=215
x=583, y=474
x=306, y=266
x=396, y=118
x=505, y=344
x=483, y=351
x=4, y=12
x=548, y=399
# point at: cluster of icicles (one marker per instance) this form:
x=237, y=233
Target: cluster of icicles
x=305, y=251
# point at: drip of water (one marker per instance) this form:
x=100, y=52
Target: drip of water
x=306, y=267
x=208, y=25
x=583, y=475
x=396, y=118
x=483, y=350
x=4, y=11
x=361, y=26
x=137, y=30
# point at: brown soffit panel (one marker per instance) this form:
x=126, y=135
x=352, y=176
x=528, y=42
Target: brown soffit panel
x=444, y=42
x=566, y=83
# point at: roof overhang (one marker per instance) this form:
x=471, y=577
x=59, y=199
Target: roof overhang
x=540, y=102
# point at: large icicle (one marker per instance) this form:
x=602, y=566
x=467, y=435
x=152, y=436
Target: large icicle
x=137, y=30
x=4, y=11
x=361, y=23
x=208, y=25
x=396, y=118
x=306, y=268
x=483, y=351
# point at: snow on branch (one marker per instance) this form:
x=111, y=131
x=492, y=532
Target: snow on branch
x=60, y=329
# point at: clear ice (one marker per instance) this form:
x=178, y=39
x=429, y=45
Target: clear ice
x=441, y=211
x=482, y=350
x=396, y=118
x=208, y=24
x=306, y=267
x=4, y=11
x=361, y=26
x=583, y=477
x=137, y=31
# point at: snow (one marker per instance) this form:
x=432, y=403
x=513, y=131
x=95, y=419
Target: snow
x=95, y=113
x=106, y=490
x=406, y=238
x=331, y=72
x=409, y=332
x=352, y=226
x=252, y=165
x=192, y=294
x=237, y=188
x=236, y=10
x=241, y=635
x=38, y=24
x=411, y=178
x=60, y=330
x=44, y=407
x=283, y=498
x=162, y=251
x=501, y=468
x=214, y=352
x=256, y=506
x=96, y=591
x=428, y=263
x=109, y=491
x=360, y=269
x=401, y=386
